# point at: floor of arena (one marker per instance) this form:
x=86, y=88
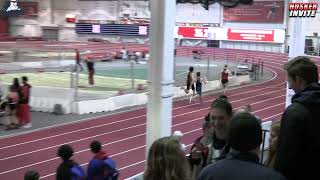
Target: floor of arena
x=123, y=135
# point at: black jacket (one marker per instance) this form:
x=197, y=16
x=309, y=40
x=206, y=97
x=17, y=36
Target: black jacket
x=239, y=166
x=299, y=142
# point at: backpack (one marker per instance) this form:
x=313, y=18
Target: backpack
x=69, y=170
x=109, y=171
x=58, y=109
x=77, y=173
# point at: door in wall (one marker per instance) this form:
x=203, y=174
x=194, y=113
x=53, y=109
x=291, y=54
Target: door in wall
x=50, y=33
x=3, y=25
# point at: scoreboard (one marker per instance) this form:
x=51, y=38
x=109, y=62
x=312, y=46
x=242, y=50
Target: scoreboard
x=112, y=29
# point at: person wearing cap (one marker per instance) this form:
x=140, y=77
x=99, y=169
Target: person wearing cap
x=242, y=162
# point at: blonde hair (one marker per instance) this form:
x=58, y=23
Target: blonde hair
x=275, y=127
x=166, y=161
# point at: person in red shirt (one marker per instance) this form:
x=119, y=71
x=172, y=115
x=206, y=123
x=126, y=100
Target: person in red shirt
x=24, y=109
x=225, y=78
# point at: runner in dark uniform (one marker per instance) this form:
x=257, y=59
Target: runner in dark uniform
x=91, y=71
x=190, y=81
x=199, y=85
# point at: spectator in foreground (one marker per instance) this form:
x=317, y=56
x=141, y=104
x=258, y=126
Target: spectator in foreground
x=199, y=151
x=220, y=118
x=273, y=143
x=101, y=166
x=242, y=162
x=68, y=169
x=166, y=161
x=299, y=143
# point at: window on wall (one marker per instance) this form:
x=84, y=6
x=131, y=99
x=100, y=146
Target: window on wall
x=213, y=43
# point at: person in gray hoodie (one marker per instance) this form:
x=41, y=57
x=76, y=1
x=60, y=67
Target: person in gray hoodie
x=299, y=140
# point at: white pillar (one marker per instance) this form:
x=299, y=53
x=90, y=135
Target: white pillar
x=159, y=113
x=297, y=34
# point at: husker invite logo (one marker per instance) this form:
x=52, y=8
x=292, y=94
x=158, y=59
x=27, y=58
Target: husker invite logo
x=303, y=9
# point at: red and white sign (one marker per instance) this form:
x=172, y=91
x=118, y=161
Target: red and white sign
x=251, y=35
x=303, y=9
x=71, y=18
x=193, y=32
x=230, y=34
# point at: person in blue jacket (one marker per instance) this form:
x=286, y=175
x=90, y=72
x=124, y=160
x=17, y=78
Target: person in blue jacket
x=101, y=166
x=68, y=169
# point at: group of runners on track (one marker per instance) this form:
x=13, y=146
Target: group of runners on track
x=195, y=81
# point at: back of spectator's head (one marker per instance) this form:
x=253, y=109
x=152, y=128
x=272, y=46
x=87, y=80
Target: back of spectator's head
x=65, y=152
x=166, y=160
x=31, y=175
x=246, y=108
x=223, y=97
x=245, y=132
x=95, y=146
x=191, y=68
x=304, y=68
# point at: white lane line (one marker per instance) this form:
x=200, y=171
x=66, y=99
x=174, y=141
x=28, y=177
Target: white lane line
x=128, y=119
x=137, y=163
x=135, y=109
x=82, y=139
x=5, y=172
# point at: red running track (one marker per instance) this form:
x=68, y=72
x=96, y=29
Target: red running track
x=123, y=135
